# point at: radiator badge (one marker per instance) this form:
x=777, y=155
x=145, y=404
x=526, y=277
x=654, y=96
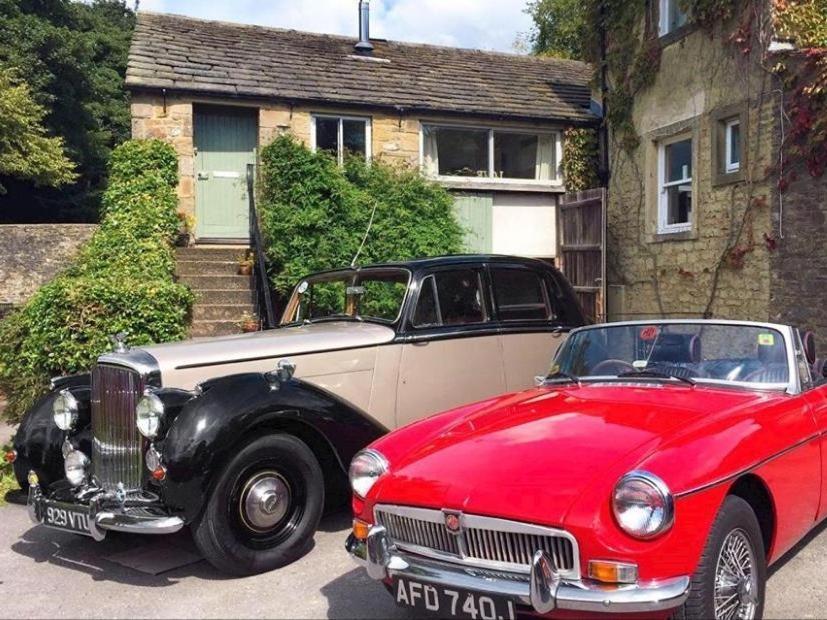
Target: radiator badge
x=453, y=523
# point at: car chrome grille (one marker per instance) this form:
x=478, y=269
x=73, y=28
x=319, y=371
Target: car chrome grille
x=117, y=447
x=483, y=542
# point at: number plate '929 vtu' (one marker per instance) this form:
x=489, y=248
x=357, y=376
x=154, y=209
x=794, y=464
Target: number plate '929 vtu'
x=452, y=603
x=66, y=517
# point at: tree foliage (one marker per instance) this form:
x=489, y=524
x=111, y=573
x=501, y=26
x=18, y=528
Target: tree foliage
x=26, y=151
x=315, y=212
x=73, y=56
x=122, y=281
x=559, y=27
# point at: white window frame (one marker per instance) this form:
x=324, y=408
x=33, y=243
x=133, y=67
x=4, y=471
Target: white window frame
x=664, y=26
x=340, y=150
x=491, y=178
x=664, y=228
x=729, y=165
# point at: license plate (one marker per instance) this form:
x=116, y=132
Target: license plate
x=67, y=517
x=452, y=603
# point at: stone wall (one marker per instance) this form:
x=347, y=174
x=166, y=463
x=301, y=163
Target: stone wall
x=33, y=254
x=689, y=274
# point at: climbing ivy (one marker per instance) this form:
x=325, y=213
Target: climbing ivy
x=580, y=159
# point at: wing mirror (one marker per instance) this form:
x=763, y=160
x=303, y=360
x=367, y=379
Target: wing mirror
x=284, y=371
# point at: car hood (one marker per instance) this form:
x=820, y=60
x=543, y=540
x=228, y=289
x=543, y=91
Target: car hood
x=531, y=456
x=248, y=351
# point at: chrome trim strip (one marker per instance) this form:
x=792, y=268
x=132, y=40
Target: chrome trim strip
x=481, y=536
x=541, y=590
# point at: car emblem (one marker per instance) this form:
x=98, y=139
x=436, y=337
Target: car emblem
x=452, y=523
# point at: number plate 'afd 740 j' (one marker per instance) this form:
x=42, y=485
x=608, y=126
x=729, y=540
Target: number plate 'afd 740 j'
x=450, y=603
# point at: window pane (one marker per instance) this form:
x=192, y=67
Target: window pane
x=355, y=137
x=515, y=156
x=460, y=152
x=519, y=295
x=734, y=140
x=426, y=314
x=460, y=298
x=677, y=17
x=679, y=161
x=327, y=134
x=679, y=204
x=383, y=297
x=326, y=298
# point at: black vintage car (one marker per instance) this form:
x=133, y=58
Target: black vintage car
x=243, y=438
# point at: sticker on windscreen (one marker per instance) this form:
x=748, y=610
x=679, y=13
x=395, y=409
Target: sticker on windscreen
x=649, y=333
x=766, y=340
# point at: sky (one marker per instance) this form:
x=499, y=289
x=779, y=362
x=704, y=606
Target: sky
x=480, y=24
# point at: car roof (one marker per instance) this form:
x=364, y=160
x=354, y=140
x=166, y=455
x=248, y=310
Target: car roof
x=439, y=261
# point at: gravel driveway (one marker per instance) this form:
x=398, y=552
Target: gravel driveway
x=49, y=574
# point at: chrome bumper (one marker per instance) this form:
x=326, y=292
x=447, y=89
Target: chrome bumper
x=543, y=590
x=102, y=519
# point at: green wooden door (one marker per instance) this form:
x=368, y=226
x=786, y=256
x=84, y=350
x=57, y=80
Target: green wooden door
x=225, y=142
x=475, y=213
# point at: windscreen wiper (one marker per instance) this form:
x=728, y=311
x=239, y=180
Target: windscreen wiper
x=560, y=374
x=655, y=374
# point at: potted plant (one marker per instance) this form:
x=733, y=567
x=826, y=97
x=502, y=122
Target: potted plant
x=249, y=323
x=186, y=229
x=245, y=264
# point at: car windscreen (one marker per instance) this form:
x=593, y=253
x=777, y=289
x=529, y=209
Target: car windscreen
x=368, y=296
x=703, y=352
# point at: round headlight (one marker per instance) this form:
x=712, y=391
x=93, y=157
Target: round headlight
x=149, y=414
x=75, y=465
x=365, y=470
x=65, y=410
x=643, y=506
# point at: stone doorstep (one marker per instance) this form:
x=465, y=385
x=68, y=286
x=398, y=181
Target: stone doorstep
x=211, y=253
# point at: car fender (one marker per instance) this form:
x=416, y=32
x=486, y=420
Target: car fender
x=230, y=410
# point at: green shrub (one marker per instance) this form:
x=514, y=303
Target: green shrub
x=122, y=281
x=315, y=212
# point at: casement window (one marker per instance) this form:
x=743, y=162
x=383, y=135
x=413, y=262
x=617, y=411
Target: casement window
x=675, y=186
x=672, y=16
x=732, y=146
x=341, y=135
x=484, y=153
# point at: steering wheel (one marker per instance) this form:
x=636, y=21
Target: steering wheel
x=611, y=367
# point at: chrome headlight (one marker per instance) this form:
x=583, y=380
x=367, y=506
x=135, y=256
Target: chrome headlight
x=149, y=415
x=643, y=505
x=65, y=410
x=75, y=466
x=365, y=469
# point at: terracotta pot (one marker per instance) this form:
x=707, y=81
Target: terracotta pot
x=249, y=327
x=245, y=270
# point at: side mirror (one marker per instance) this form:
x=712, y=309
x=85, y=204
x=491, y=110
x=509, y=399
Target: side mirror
x=284, y=371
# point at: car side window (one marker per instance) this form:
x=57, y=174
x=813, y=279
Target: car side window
x=451, y=297
x=520, y=295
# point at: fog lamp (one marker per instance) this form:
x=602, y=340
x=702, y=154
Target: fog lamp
x=612, y=572
x=75, y=466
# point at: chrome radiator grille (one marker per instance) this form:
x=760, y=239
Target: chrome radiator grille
x=481, y=541
x=117, y=448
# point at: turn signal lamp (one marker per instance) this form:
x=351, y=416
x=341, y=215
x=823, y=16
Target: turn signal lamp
x=11, y=456
x=159, y=473
x=33, y=479
x=360, y=529
x=612, y=572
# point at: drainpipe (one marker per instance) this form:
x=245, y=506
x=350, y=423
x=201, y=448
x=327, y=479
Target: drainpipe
x=605, y=170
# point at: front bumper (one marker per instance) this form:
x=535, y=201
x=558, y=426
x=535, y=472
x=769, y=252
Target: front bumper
x=542, y=590
x=103, y=514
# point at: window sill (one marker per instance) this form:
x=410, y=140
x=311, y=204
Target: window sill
x=471, y=183
x=678, y=235
x=727, y=178
x=676, y=35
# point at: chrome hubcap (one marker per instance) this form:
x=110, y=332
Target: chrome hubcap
x=265, y=501
x=736, y=582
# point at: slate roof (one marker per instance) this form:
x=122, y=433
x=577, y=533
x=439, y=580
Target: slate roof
x=232, y=60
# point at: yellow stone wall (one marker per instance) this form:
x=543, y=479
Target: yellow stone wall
x=700, y=81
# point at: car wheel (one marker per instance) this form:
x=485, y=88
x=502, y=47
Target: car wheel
x=264, y=509
x=731, y=576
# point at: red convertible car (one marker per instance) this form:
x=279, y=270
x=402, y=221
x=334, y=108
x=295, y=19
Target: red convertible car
x=658, y=470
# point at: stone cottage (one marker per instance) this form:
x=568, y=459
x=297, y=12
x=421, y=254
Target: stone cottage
x=706, y=218
x=488, y=126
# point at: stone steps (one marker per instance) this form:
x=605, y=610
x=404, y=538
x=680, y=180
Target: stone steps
x=222, y=296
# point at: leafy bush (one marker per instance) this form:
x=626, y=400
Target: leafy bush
x=122, y=281
x=315, y=212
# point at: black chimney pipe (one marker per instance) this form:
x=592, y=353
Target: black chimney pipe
x=364, y=46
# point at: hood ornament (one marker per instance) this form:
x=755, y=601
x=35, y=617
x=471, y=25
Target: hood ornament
x=119, y=342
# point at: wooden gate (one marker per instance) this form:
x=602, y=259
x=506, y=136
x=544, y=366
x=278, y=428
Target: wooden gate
x=581, y=248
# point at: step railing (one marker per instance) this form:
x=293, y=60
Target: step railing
x=264, y=292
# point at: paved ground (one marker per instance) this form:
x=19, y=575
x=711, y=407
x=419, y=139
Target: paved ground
x=48, y=574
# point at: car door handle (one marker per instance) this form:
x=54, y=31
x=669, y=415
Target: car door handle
x=203, y=176
x=421, y=343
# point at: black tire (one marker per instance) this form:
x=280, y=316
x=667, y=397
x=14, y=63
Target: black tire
x=232, y=533
x=736, y=521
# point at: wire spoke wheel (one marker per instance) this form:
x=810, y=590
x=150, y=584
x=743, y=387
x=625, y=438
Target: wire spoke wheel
x=736, y=579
